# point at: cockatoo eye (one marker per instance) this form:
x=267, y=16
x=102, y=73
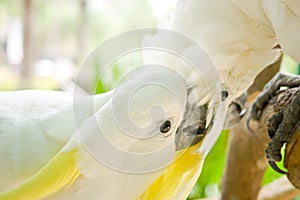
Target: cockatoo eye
x=224, y=95
x=165, y=127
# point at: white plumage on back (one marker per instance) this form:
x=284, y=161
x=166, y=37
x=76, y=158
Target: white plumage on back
x=237, y=36
x=31, y=131
x=285, y=19
x=35, y=126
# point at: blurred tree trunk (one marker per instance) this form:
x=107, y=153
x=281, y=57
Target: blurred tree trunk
x=82, y=32
x=27, y=44
x=87, y=81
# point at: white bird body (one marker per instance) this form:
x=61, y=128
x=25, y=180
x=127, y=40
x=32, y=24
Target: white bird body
x=31, y=128
x=40, y=133
x=35, y=126
x=240, y=36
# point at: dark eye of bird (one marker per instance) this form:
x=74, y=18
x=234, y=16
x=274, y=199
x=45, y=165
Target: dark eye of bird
x=165, y=127
x=224, y=95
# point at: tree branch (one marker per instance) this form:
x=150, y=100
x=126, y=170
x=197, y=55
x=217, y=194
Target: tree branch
x=280, y=189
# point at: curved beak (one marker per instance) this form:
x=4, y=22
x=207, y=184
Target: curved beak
x=193, y=127
x=236, y=111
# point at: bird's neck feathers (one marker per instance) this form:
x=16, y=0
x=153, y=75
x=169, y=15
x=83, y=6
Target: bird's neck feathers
x=239, y=70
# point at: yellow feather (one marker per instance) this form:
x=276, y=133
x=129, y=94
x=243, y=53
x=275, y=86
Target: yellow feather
x=176, y=176
x=59, y=173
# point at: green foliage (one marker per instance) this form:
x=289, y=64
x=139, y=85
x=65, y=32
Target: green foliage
x=289, y=65
x=11, y=7
x=110, y=77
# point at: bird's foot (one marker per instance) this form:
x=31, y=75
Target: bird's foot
x=280, y=125
x=278, y=81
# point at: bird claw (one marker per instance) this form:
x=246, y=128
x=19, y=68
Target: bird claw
x=270, y=90
x=280, y=125
x=276, y=168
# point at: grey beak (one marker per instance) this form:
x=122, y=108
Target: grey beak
x=192, y=128
x=236, y=111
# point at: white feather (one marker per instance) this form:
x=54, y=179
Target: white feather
x=35, y=125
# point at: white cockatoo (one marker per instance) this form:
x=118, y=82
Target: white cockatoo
x=116, y=145
x=242, y=38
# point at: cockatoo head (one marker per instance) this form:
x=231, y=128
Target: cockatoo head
x=167, y=105
x=155, y=108
x=153, y=112
x=207, y=100
x=147, y=107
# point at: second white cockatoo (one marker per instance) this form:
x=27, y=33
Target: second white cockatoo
x=242, y=38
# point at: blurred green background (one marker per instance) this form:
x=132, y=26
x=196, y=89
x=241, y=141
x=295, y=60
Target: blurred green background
x=43, y=44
